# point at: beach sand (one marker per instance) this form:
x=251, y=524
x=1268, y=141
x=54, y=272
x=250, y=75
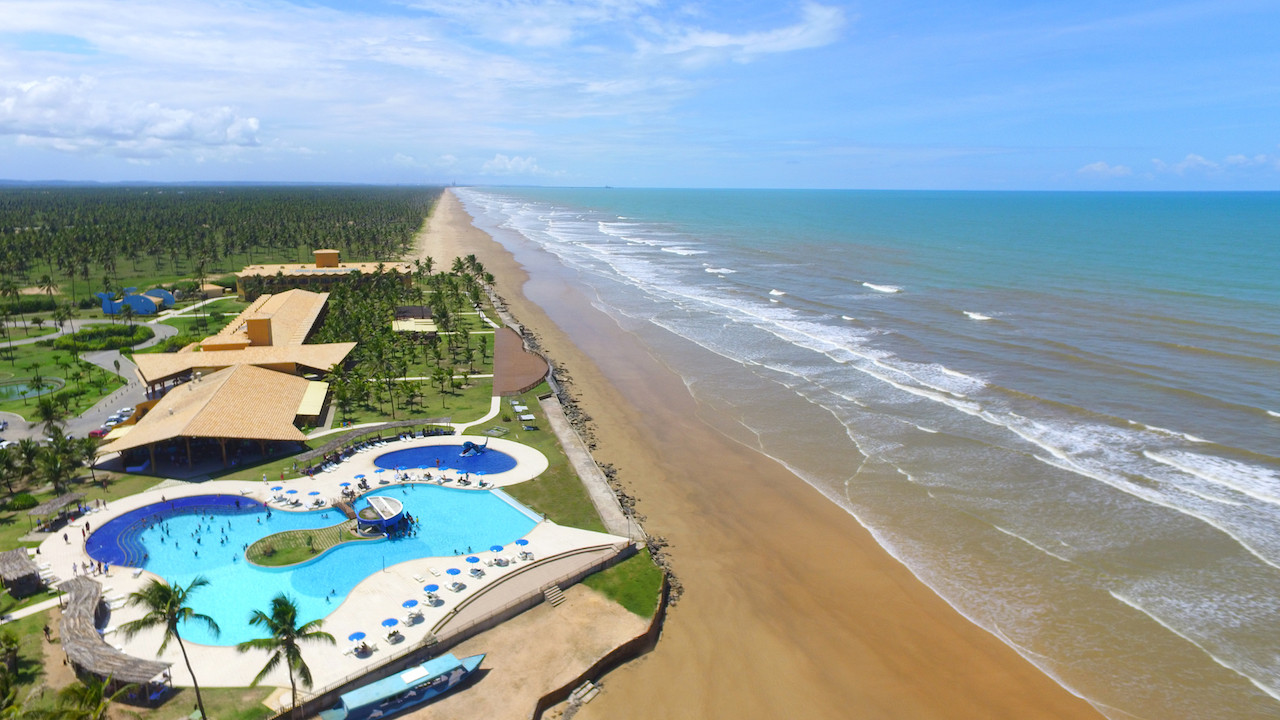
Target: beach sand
x=790, y=608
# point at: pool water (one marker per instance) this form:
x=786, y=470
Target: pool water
x=447, y=457
x=208, y=535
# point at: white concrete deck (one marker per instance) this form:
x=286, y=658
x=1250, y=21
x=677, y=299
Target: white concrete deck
x=530, y=463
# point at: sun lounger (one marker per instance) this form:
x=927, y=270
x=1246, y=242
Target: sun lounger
x=477, y=572
x=434, y=572
x=419, y=578
x=457, y=586
x=137, y=572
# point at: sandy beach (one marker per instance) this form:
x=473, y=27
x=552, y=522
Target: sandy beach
x=765, y=627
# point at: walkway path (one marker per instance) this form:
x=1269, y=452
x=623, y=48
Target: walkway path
x=130, y=395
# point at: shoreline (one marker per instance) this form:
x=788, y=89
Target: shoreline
x=790, y=605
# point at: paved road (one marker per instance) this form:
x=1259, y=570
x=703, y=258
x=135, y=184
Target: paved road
x=129, y=395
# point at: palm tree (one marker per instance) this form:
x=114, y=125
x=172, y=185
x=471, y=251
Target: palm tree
x=9, y=289
x=28, y=451
x=10, y=468
x=89, y=699
x=166, y=607
x=283, y=644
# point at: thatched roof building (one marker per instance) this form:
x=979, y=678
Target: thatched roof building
x=86, y=649
x=20, y=575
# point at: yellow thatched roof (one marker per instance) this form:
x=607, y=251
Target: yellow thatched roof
x=292, y=313
x=162, y=366
x=243, y=401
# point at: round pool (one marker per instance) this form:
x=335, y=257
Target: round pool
x=207, y=535
x=447, y=457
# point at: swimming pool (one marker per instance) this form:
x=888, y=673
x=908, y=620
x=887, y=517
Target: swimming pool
x=207, y=535
x=449, y=457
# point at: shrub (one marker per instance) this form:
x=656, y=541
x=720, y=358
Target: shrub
x=105, y=337
x=23, y=501
x=33, y=303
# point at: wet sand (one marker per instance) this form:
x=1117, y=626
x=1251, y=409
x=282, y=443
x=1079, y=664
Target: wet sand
x=790, y=607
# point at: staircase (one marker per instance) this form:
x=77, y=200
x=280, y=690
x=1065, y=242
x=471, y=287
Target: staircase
x=553, y=595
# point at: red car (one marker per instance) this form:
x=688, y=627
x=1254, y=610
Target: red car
x=99, y=432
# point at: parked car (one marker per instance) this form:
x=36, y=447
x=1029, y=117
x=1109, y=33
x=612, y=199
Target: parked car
x=125, y=412
x=98, y=432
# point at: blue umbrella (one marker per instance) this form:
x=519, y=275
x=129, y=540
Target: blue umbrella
x=390, y=622
x=473, y=559
x=496, y=548
x=423, y=467
x=379, y=470
x=357, y=635
x=454, y=571
x=278, y=487
x=344, y=484
x=432, y=587
x=522, y=541
x=409, y=603
x=290, y=492
x=360, y=476
x=314, y=492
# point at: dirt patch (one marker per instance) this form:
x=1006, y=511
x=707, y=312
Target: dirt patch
x=533, y=654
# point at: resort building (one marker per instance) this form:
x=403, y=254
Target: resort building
x=215, y=417
x=327, y=271
x=239, y=392
x=270, y=333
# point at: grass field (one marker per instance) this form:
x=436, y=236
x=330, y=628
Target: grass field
x=295, y=546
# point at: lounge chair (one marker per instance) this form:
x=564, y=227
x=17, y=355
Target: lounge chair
x=477, y=572
x=419, y=578
x=434, y=572
x=457, y=586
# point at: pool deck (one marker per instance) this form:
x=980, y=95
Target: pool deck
x=558, y=552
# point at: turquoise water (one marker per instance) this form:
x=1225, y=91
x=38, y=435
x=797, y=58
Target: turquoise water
x=450, y=522
x=1060, y=410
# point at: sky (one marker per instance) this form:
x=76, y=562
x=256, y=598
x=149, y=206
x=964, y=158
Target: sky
x=1012, y=95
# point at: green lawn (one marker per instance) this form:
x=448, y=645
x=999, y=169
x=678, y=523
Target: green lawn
x=295, y=546
x=24, y=332
x=633, y=583
x=94, y=383
x=556, y=493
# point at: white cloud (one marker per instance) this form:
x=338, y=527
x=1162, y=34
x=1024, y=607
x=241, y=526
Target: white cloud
x=1258, y=160
x=819, y=25
x=1192, y=162
x=503, y=165
x=71, y=115
x=1105, y=170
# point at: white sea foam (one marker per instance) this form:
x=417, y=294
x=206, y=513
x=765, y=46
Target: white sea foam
x=846, y=317
x=773, y=300
x=776, y=292
x=1257, y=482
x=720, y=271
x=1273, y=413
x=882, y=288
x=683, y=251
x=1168, y=626
x=922, y=428
x=977, y=316
x=1046, y=551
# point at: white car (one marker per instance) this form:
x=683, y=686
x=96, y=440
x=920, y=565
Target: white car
x=125, y=412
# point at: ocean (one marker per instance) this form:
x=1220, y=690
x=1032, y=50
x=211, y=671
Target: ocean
x=1060, y=411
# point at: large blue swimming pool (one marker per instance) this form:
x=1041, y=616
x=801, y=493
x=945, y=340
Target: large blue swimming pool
x=207, y=535
x=448, y=457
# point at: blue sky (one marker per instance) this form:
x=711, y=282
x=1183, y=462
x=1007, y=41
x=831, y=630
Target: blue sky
x=825, y=94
